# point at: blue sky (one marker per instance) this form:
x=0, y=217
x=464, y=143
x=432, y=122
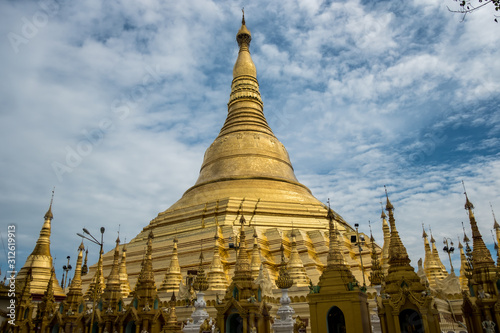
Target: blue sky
x=114, y=104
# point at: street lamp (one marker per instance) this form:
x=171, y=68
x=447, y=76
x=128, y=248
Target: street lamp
x=95, y=241
x=359, y=241
x=448, y=248
x=66, y=269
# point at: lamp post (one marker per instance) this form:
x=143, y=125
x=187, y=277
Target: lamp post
x=448, y=248
x=359, y=241
x=66, y=269
x=95, y=241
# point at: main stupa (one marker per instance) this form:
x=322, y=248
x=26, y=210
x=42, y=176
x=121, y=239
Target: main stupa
x=246, y=172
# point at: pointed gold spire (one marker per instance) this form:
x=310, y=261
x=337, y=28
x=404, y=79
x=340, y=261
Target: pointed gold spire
x=387, y=240
x=242, y=266
x=397, y=253
x=112, y=292
x=40, y=260
x=463, y=266
x=256, y=261
x=97, y=281
x=173, y=276
x=145, y=290
x=42, y=247
x=216, y=276
x=246, y=156
x=124, y=283
x=376, y=274
x=496, y=226
x=433, y=267
x=335, y=259
x=441, y=272
x=480, y=253
x=75, y=294
x=296, y=266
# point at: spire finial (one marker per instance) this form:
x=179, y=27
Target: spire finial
x=424, y=234
x=495, y=224
x=49, y=214
x=243, y=18
x=432, y=237
x=118, y=237
x=468, y=205
x=466, y=239
x=388, y=206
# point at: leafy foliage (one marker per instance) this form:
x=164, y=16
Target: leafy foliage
x=469, y=6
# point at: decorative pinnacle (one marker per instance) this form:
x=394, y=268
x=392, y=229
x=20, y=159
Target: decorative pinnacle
x=468, y=205
x=388, y=206
x=495, y=224
x=382, y=216
x=243, y=18
x=284, y=281
x=466, y=239
x=49, y=215
x=424, y=234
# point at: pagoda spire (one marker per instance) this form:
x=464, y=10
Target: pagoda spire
x=246, y=156
x=40, y=259
x=112, y=292
x=335, y=259
x=497, y=236
x=295, y=265
x=124, y=283
x=242, y=266
x=97, y=281
x=256, y=261
x=42, y=247
x=145, y=291
x=47, y=306
x=173, y=276
x=428, y=259
x=75, y=294
x=46, y=309
x=387, y=240
x=481, y=256
x=376, y=275
x=216, y=274
x=442, y=269
x=463, y=266
x=398, y=257
x=433, y=267
x=403, y=289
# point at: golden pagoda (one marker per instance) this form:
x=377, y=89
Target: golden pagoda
x=481, y=305
x=39, y=262
x=245, y=171
x=338, y=304
x=243, y=308
x=432, y=268
x=405, y=304
x=74, y=306
x=124, y=283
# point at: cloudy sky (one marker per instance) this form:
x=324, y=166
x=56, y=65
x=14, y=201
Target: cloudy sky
x=115, y=102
